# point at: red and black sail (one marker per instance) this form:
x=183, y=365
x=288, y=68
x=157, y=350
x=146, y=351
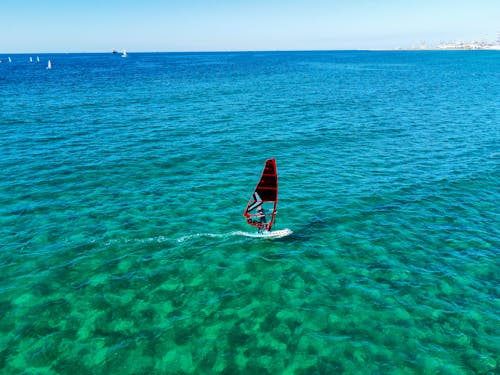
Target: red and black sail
x=261, y=208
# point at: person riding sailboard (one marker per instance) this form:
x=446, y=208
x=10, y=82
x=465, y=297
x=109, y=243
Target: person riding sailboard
x=263, y=220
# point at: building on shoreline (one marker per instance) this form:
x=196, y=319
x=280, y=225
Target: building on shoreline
x=473, y=45
x=459, y=45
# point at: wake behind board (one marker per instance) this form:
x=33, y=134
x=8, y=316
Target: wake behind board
x=275, y=233
x=261, y=208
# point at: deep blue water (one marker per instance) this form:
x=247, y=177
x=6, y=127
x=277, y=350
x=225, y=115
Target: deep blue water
x=122, y=187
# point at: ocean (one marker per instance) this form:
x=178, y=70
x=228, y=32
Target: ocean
x=123, y=182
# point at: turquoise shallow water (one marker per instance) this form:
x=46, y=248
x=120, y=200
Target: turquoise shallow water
x=123, y=183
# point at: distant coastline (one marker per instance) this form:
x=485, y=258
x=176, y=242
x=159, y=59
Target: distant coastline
x=422, y=47
x=459, y=45
x=492, y=48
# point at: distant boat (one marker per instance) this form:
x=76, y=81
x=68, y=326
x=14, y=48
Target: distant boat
x=10, y=60
x=31, y=59
x=49, y=65
x=114, y=51
x=37, y=59
x=124, y=53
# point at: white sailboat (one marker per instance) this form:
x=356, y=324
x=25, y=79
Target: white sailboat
x=10, y=60
x=31, y=59
x=124, y=53
x=37, y=59
x=49, y=65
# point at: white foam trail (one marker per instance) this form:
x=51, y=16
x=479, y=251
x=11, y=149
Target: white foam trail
x=158, y=239
x=247, y=234
x=193, y=236
x=277, y=234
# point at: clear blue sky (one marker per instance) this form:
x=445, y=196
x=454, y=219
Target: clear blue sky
x=220, y=25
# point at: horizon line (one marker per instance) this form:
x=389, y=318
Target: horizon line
x=111, y=51
x=249, y=51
